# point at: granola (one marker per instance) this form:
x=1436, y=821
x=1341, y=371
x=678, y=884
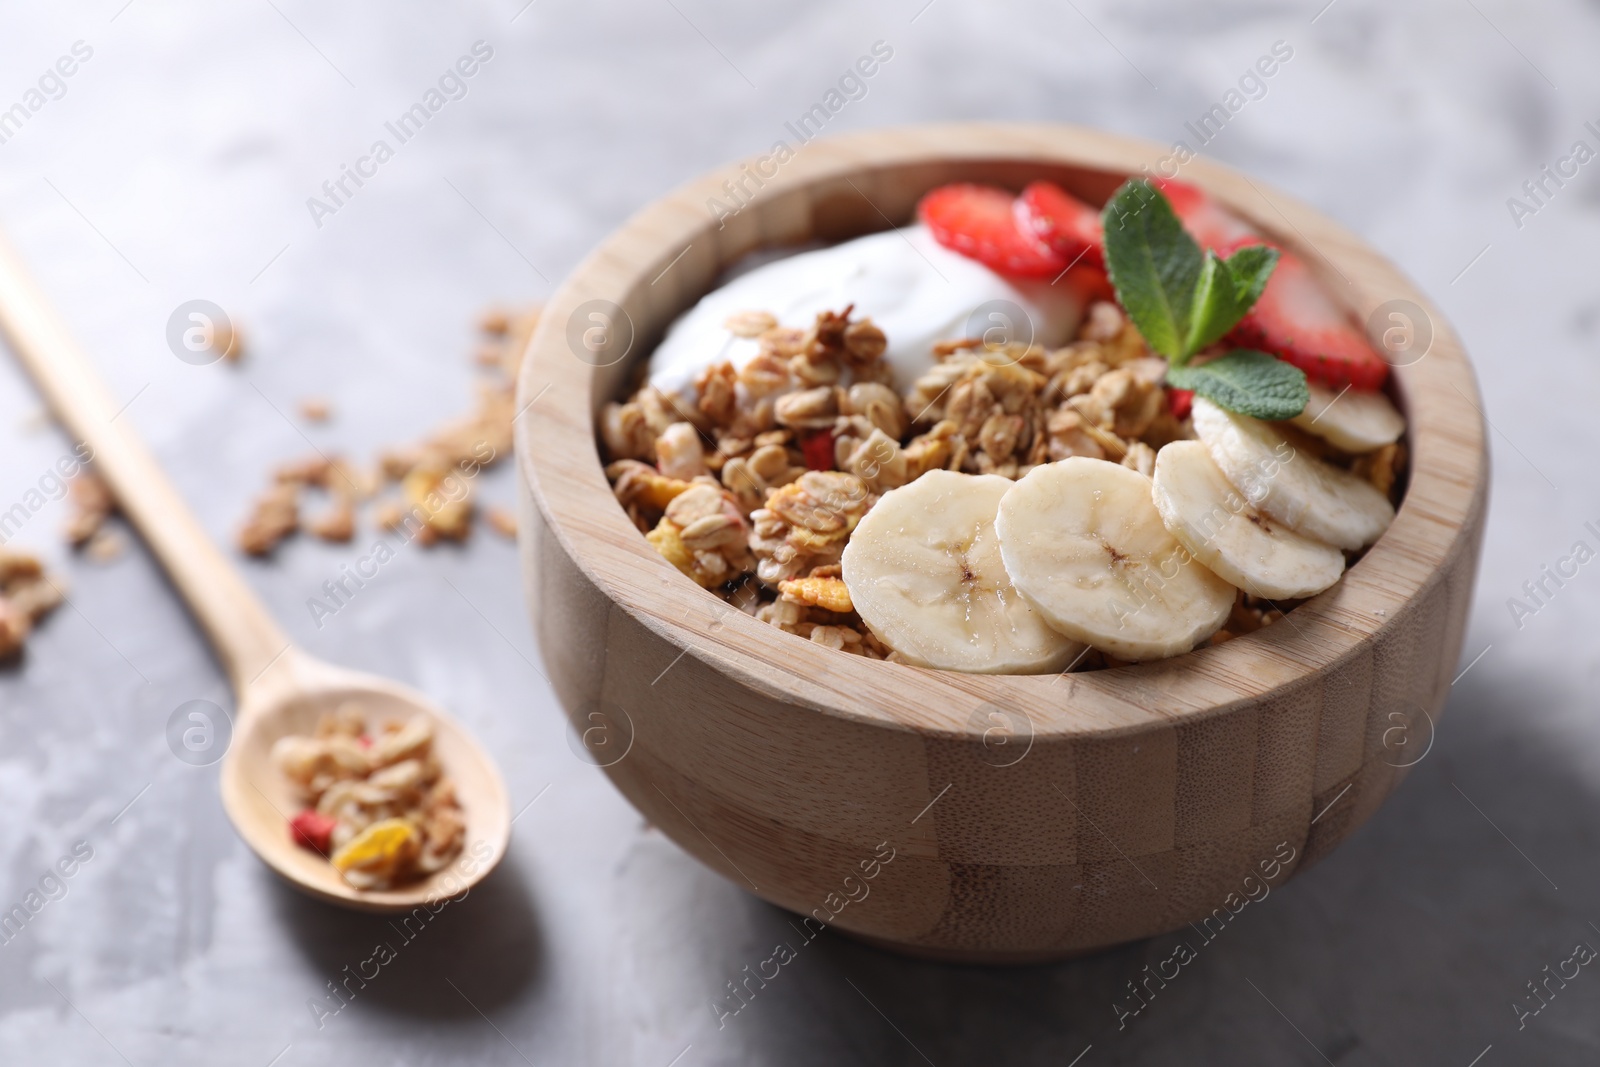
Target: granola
x=752, y=485
x=27, y=594
x=427, y=486
x=767, y=469
x=380, y=808
x=92, y=504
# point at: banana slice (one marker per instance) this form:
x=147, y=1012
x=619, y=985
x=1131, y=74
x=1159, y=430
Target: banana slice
x=1085, y=545
x=1300, y=491
x=924, y=572
x=1253, y=551
x=1359, y=422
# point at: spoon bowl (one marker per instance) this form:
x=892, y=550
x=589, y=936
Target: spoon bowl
x=289, y=698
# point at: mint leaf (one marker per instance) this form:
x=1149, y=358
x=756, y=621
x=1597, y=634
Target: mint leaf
x=1248, y=382
x=1251, y=267
x=1226, y=290
x=1154, y=265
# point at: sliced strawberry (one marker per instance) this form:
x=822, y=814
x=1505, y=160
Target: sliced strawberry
x=1063, y=222
x=1208, y=222
x=982, y=221
x=817, y=447
x=312, y=829
x=1297, y=321
x=1091, y=281
x=1179, y=401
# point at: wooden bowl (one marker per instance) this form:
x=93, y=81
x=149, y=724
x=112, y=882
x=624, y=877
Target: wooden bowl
x=1029, y=817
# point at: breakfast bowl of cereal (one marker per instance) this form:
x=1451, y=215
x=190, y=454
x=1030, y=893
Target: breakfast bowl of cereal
x=971, y=539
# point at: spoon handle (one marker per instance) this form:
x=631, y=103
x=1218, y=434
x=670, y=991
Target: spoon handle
x=243, y=634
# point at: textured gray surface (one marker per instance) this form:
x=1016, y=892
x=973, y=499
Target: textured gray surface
x=177, y=165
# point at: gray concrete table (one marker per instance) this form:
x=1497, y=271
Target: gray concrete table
x=177, y=162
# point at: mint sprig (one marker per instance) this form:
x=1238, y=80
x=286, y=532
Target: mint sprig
x=1183, y=300
x=1154, y=264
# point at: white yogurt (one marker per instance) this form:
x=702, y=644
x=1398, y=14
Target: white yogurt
x=915, y=290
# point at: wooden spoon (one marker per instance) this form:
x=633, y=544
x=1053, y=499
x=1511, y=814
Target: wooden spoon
x=279, y=689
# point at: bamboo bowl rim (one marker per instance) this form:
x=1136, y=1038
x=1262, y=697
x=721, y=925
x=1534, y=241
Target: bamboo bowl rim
x=676, y=240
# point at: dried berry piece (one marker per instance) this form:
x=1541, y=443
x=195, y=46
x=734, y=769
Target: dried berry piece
x=313, y=830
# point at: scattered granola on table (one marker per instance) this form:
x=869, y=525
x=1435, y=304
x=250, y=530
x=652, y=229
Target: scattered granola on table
x=314, y=409
x=380, y=807
x=501, y=521
x=27, y=594
x=92, y=504
x=105, y=546
x=426, y=487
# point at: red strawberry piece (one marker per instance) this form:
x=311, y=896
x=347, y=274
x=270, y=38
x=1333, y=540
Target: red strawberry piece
x=1091, y=281
x=1297, y=321
x=1179, y=401
x=1208, y=222
x=312, y=829
x=1063, y=222
x=982, y=222
x=817, y=447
